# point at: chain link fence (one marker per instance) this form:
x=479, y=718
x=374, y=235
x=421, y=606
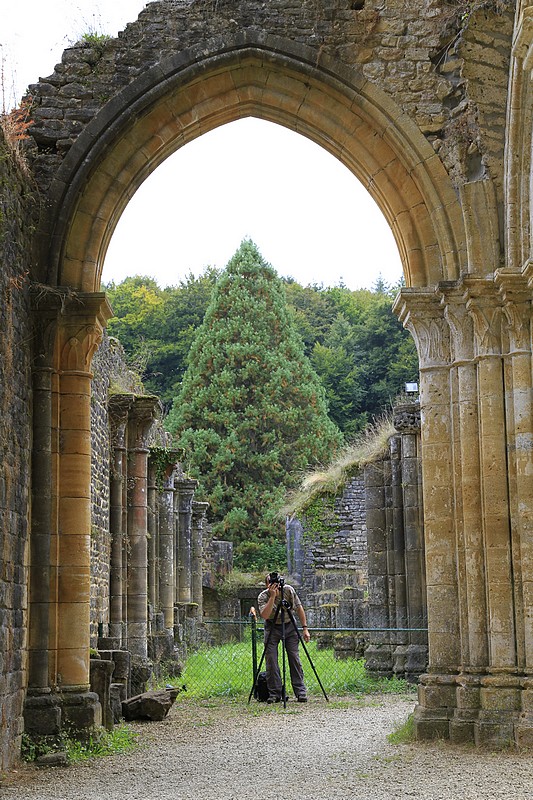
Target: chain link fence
x=227, y=663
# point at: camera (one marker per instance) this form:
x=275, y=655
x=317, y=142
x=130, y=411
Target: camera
x=274, y=577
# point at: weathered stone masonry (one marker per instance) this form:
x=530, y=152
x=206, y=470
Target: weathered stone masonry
x=16, y=225
x=430, y=106
x=358, y=556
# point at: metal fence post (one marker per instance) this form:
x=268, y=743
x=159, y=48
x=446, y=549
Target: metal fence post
x=253, y=621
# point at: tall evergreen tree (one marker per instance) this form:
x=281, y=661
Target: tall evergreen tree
x=251, y=414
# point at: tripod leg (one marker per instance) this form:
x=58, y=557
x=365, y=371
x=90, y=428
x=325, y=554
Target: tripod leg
x=283, y=653
x=263, y=655
x=291, y=615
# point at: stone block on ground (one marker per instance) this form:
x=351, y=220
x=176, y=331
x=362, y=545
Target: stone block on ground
x=153, y=705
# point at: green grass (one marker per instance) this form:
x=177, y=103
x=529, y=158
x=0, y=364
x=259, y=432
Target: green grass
x=404, y=733
x=120, y=740
x=226, y=671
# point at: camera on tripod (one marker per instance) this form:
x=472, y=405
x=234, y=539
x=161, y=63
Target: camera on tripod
x=274, y=577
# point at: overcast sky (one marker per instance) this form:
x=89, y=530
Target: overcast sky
x=309, y=216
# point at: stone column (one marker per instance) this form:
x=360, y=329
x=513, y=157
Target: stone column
x=467, y=486
x=199, y=511
x=167, y=464
x=500, y=688
x=515, y=291
x=141, y=419
x=421, y=314
x=185, y=491
x=486, y=310
x=79, y=333
x=153, y=544
x=118, y=406
x=407, y=423
x=397, y=555
x=378, y=653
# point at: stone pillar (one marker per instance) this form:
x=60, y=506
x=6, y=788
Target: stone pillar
x=79, y=333
x=141, y=418
x=407, y=423
x=167, y=464
x=470, y=551
x=486, y=311
x=378, y=653
x=185, y=492
x=420, y=312
x=397, y=556
x=199, y=511
x=153, y=544
x=515, y=291
x=118, y=406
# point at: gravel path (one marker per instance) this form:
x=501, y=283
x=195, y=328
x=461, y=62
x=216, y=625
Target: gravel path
x=213, y=750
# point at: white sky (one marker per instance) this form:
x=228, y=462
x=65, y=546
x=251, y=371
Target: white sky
x=308, y=215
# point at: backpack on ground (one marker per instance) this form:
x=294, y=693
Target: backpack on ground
x=261, y=688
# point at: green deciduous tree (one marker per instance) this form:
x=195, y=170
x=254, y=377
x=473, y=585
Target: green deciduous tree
x=251, y=414
x=157, y=326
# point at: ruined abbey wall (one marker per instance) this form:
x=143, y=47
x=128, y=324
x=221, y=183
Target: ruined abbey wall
x=430, y=105
x=16, y=224
x=110, y=374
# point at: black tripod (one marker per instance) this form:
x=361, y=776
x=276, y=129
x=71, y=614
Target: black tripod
x=285, y=607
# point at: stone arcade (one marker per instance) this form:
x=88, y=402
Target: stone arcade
x=430, y=105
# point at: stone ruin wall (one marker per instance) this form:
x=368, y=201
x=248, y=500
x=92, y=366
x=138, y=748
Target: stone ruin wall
x=446, y=65
x=358, y=558
x=328, y=556
x=16, y=224
x=110, y=374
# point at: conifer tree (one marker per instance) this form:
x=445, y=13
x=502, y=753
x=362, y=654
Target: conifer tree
x=251, y=414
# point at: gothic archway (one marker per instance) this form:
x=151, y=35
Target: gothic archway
x=471, y=321
x=193, y=92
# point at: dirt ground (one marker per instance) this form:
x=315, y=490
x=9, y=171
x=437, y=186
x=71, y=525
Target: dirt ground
x=227, y=750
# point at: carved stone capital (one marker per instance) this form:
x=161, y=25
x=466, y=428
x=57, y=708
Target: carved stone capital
x=81, y=322
x=118, y=407
x=484, y=303
x=421, y=313
x=144, y=411
x=515, y=291
x=165, y=463
x=199, y=511
x=185, y=488
x=454, y=301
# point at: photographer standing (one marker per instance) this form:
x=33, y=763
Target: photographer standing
x=268, y=602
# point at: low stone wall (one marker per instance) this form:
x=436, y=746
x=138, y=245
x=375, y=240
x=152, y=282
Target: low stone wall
x=15, y=441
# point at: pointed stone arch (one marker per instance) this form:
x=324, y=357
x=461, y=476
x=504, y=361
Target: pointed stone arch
x=471, y=321
x=254, y=75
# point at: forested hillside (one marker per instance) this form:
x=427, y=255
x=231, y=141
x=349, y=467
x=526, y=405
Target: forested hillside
x=356, y=345
x=263, y=379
